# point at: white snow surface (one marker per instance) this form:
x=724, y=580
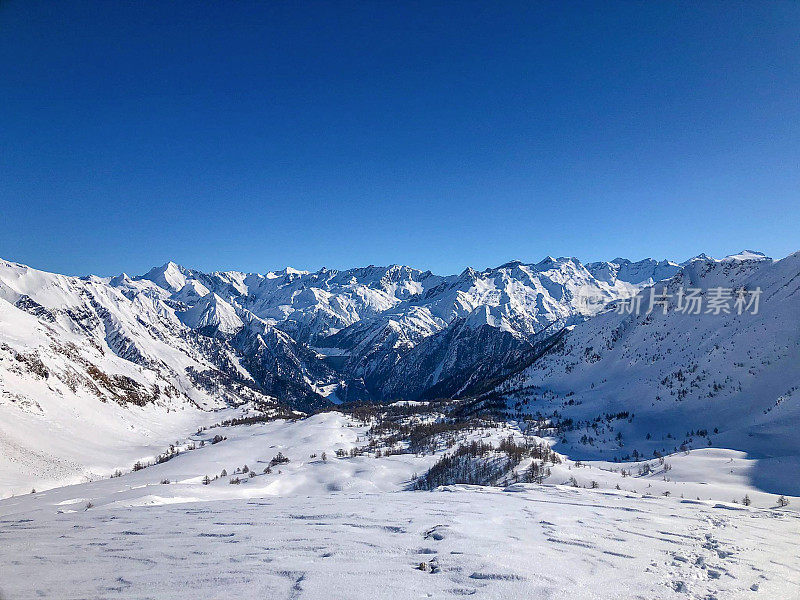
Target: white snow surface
x=347, y=528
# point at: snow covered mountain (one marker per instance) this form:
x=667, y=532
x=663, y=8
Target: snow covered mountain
x=306, y=305
x=80, y=356
x=369, y=323
x=682, y=379
x=429, y=344
x=643, y=271
x=126, y=355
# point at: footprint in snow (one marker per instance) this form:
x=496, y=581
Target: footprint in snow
x=436, y=533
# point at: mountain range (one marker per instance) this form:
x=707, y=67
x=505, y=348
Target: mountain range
x=159, y=351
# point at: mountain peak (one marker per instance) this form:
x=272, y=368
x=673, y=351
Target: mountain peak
x=510, y=264
x=744, y=255
x=119, y=280
x=747, y=255
x=702, y=257
x=170, y=276
x=212, y=312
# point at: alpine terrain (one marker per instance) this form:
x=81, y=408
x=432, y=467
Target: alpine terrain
x=353, y=433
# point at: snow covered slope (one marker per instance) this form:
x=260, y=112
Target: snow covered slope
x=522, y=542
x=682, y=380
x=92, y=378
x=341, y=525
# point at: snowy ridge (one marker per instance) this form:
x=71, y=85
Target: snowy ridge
x=80, y=356
x=725, y=380
x=642, y=272
x=212, y=313
x=521, y=300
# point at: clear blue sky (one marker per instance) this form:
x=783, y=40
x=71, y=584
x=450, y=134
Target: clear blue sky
x=437, y=134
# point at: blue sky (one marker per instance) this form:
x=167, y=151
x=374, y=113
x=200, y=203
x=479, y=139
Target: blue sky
x=258, y=135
